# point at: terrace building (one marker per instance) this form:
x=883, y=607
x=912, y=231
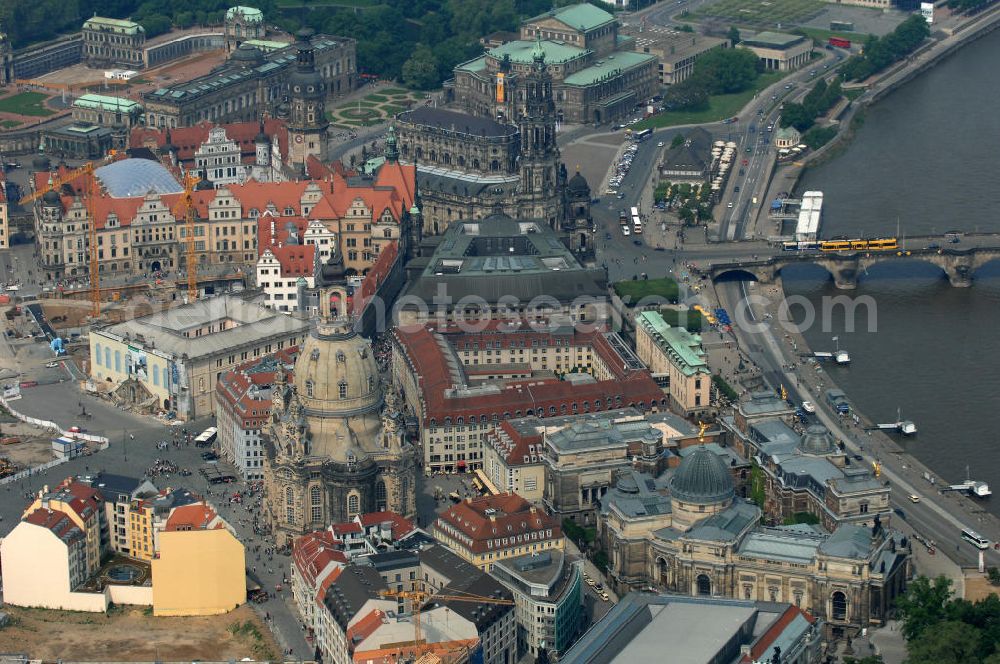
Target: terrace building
x=677, y=361
x=111, y=42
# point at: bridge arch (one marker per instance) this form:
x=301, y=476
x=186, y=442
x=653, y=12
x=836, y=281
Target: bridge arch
x=735, y=274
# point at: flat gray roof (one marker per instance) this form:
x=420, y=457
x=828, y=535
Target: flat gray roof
x=247, y=323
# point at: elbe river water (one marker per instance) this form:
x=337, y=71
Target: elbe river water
x=925, y=157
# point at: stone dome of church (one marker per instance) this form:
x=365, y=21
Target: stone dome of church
x=247, y=55
x=702, y=479
x=336, y=374
x=578, y=185
x=817, y=440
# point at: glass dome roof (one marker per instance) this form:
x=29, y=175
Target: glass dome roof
x=137, y=177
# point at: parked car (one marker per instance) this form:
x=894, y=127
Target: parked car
x=808, y=406
x=51, y=365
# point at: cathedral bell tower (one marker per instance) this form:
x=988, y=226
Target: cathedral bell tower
x=539, y=160
x=307, y=123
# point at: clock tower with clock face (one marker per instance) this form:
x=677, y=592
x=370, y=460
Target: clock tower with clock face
x=307, y=123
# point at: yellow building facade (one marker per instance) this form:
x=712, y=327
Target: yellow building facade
x=198, y=573
x=141, y=533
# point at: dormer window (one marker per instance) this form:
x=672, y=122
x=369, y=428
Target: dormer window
x=288, y=212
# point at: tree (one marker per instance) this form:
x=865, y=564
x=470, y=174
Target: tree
x=796, y=115
x=923, y=605
x=948, y=643
x=725, y=71
x=677, y=141
x=155, y=24
x=994, y=575
x=421, y=70
x=542, y=657
x=734, y=35
x=870, y=659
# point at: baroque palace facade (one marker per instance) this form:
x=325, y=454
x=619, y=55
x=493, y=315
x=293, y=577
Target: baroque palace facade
x=686, y=532
x=336, y=446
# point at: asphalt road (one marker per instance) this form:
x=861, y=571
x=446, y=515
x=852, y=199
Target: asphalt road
x=937, y=517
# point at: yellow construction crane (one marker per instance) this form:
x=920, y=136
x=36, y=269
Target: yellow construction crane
x=418, y=597
x=87, y=173
x=185, y=208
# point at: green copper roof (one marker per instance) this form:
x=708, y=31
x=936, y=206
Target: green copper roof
x=478, y=64
x=583, y=16
x=250, y=14
x=266, y=45
x=522, y=51
x=116, y=25
x=773, y=40
x=610, y=66
x=106, y=103
x=683, y=348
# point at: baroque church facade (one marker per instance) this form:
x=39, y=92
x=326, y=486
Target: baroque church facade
x=336, y=441
x=471, y=167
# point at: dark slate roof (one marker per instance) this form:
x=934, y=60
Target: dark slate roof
x=702, y=478
x=462, y=186
x=692, y=155
x=391, y=560
x=455, y=121
x=447, y=563
x=110, y=484
x=356, y=585
x=481, y=615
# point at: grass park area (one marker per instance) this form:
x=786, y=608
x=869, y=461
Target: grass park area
x=374, y=108
x=689, y=319
x=719, y=108
x=634, y=291
x=25, y=103
x=764, y=14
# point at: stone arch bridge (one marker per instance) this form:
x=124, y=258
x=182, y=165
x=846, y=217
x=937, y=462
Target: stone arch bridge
x=959, y=265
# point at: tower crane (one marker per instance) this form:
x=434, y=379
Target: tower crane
x=185, y=208
x=418, y=597
x=87, y=173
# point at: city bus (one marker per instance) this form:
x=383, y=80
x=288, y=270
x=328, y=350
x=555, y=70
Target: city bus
x=634, y=211
x=636, y=225
x=206, y=437
x=839, y=43
x=642, y=134
x=975, y=539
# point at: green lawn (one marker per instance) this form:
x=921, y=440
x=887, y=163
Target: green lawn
x=633, y=291
x=25, y=103
x=763, y=14
x=720, y=107
x=9, y=124
x=395, y=91
x=376, y=98
x=392, y=110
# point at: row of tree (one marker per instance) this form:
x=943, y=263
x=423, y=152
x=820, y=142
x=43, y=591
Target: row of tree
x=820, y=99
x=39, y=20
x=941, y=629
x=880, y=52
x=720, y=71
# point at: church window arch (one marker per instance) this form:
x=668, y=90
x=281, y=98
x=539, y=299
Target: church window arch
x=371, y=383
x=289, y=505
x=97, y=354
x=838, y=604
x=341, y=357
x=310, y=386
x=342, y=389
x=353, y=505
x=381, y=497
x=704, y=585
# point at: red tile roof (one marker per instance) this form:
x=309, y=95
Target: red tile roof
x=187, y=140
x=515, y=448
x=364, y=628
x=56, y=521
x=376, y=275
x=764, y=643
x=419, y=348
x=198, y=516
x=234, y=388
x=400, y=525
x=313, y=552
x=506, y=515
